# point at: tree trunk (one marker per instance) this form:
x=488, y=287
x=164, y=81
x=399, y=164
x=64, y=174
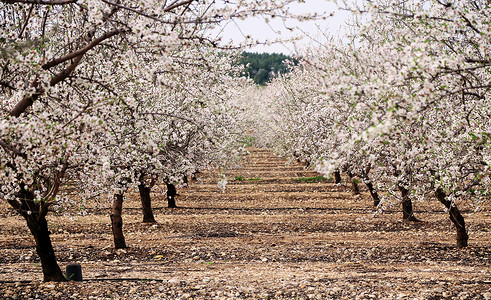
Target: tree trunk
x=373, y=192
x=407, y=205
x=39, y=228
x=354, y=183
x=456, y=218
x=337, y=177
x=371, y=189
x=117, y=222
x=35, y=215
x=171, y=195
x=146, y=204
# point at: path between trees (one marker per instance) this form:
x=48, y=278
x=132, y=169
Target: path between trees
x=270, y=234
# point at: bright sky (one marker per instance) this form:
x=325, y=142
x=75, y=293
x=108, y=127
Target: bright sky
x=309, y=31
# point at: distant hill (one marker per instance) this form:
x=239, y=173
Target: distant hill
x=263, y=66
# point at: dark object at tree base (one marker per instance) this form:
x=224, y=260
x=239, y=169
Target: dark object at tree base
x=74, y=272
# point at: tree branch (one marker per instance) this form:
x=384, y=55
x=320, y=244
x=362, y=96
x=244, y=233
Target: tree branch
x=65, y=73
x=81, y=51
x=141, y=13
x=29, y=100
x=7, y=85
x=42, y=2
x=175, y=5
x=12, y=149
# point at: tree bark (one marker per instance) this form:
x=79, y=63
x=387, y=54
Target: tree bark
x=35, y=215
x=373, y=192
x=337, y=177
x=371, y=189
x=171, y=195
x=39, y=228
x=456, y=218
x=354, y=183
x=117, y=222
x=407, y=205
x=146, y=204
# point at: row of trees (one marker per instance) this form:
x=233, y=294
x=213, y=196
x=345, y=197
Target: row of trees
x=102, y=96
x=262, y=67
x=405, y=106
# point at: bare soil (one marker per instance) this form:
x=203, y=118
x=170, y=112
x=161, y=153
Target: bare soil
x=267, y=236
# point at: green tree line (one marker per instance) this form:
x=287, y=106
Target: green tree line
x=261, y=67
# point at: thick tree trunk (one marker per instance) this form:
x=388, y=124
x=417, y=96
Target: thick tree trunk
x=407, y=205
x=337, y=177
x=354, y=183
x=117, y=222
x=456, y=218
x=35, y=215
x=171, y=195
x=39, y=228
x=146, y=204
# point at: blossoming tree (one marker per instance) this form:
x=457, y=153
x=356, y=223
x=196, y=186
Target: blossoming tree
x=407, y=101
x=62, y=63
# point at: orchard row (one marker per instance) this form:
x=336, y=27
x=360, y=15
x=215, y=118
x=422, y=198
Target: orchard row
x=404, y=106
x=100, y=97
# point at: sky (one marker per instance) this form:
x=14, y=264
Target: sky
x=309, y=31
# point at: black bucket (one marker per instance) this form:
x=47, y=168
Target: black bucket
x=74, y=272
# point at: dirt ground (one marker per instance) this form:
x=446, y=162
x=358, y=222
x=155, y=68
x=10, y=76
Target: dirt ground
x=268, y=236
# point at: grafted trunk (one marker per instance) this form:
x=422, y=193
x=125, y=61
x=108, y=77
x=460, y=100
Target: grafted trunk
x=337, y=177
x=171, y=195
x=146, y=203
x=407, y=205
x=456, y=218
x=354, y=183
x=35, y=216
x=117, y=222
